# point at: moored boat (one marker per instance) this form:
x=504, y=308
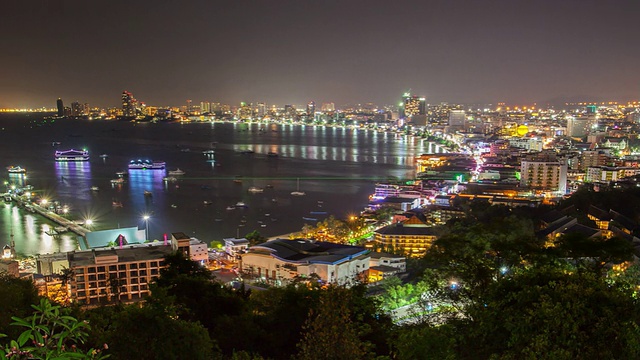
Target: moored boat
x=255, y=190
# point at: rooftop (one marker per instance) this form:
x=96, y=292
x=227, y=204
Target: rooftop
x=306, y=251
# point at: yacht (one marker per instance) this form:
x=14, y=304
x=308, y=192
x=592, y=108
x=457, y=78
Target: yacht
x=255, y=190
x=117, y=181
x=176, y=172
x=72, y=155
x=209, y=152
x=95, y=188
x=241, y=204
x=146, y=164
x=16, y=170
x=104, y=156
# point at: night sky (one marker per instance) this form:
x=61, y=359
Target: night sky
x=291, y=52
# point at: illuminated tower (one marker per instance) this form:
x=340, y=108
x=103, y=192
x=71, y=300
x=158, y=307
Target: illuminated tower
x=128, y=104
x=311, y=108
x=60, y=107
x=412, y=105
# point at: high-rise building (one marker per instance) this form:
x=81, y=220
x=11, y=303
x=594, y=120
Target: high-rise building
x=412, y=105
x=205, y=107
x=261, y=109
x=76, y=109
x=457, y=121
x=328, y=107
x=544, y=172
x=60, y=107
x=128, y=104
x=580, y=126
x=311, y=108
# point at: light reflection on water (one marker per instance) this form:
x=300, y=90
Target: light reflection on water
x=337, y=166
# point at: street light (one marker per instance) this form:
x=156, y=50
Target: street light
x=146, y=226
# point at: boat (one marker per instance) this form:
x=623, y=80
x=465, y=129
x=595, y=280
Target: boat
x=95, y=188
x=209, y=152
x=241, y=204
x=174, y=206
x=16, y=170
x=104, y=156
x=309, y=219
x=218, y=219
x=298, y=192
x=272, y=154
x=231, y=207
x=145, y=164
x=255, y=190
x=176, y=172
x=263, y=225
x=169, y=179
x=267, y=214
x=148, y=193
x=117, y=181
x=116, y=204
x=207, y=202
x=72, y=155
x=121, y=173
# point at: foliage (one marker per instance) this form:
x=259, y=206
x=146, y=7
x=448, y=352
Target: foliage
x=548, y=311
x=51, y=334
x=16, y=297
x=329, y=332
x=255, y=238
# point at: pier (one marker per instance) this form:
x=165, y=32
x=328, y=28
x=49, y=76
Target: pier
x=69, y=224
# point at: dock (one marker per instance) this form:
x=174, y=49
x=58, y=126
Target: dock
x=70, y=224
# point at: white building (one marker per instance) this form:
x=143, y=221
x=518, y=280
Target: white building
x=234, y=247
x=193, y=248
x=281, y=260
x=544, y=172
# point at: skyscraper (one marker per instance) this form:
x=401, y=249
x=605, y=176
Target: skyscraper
x=60, y=107
x=128, y=104
x=412, y=105
x=311, y=108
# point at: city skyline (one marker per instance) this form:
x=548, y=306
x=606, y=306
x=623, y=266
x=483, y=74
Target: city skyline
x=341, y=52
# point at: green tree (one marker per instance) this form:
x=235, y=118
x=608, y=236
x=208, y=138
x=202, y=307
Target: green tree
x=329, y=332
x=16, y=297
x=549, y=313
x=147, y=333
x=255, y=238
x=50, y=333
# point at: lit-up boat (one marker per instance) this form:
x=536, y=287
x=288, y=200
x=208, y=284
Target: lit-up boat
x=146, y=165
x=72, y=155
x=16, y=170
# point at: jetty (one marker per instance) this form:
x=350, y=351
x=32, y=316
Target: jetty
x=69, y=224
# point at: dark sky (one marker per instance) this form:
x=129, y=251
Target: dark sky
x=291, y=52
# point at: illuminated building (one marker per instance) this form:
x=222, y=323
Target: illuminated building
x=283, y=260
x=261, y=109
x=544, y=172
x=311, y=108
x=580, y=126
x=205, y=107
x=328, y=107
x=412, y=237
x=412, y=105
x=457, y=121
x=128, y=104
x=60, y=107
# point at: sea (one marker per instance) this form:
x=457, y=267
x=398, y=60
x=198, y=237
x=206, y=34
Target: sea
x=337, y=168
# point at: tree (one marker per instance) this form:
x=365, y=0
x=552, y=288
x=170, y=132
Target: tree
x=51, y=334
x=17, y=296
x=149, y=333
x=549, y=311
x=255, y=238
x=329, y=332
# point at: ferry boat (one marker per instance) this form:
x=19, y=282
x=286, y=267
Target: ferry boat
x=176, y=172
x=72, y=155
x=16, y=170
x=146, y=164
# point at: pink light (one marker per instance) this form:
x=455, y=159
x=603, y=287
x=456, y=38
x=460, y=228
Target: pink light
x=165, y=239
x=120, y=240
